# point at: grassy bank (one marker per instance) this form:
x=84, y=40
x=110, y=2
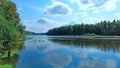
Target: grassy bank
x=6, y=66
x=13, y=52
x=9, y=62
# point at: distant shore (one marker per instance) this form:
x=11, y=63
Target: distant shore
x=105, y=37
x=87, y=37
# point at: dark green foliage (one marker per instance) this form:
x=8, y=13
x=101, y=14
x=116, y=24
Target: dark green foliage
x=21, y=29
x=8, y=11
x=11, y=30
x=102, y=28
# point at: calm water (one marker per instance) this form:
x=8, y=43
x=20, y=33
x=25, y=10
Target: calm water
x=68, y=52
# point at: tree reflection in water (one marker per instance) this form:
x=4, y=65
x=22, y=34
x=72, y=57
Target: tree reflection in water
x=11, y=61
x=104, y=45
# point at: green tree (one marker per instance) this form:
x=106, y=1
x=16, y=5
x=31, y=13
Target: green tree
x=102, y=28
x=10, y=28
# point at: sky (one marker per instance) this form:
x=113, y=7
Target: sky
x=41, y=15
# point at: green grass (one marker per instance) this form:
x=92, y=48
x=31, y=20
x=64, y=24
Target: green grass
x=4, y=56
x=6, y=66
x=12, y=53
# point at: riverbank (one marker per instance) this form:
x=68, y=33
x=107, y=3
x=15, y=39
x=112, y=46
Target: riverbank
x=106, y=37
x=88, y=37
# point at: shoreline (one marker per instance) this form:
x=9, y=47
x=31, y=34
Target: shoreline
x=86, y=37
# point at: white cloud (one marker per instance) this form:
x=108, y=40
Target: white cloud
x=83, y=17
x=107, y=5
x=58, y=9
x=40, y=25
x=42, y=21
x=96, y=11
x=110, y=5
x=117, y=15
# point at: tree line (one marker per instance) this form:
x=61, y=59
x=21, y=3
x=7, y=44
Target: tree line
x=33, y=33
x=11, y=30
x=102, y=28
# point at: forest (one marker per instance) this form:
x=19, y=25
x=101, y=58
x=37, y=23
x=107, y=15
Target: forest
x=106, y=28
x=11, y=30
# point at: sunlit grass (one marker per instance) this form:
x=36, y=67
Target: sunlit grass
x=6, y=54
x=6, y=66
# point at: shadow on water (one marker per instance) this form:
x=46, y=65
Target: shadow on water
x=102, y=44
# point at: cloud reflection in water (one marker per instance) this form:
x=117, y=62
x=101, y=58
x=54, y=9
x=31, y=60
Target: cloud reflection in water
x=109, y=63
x=58, y=60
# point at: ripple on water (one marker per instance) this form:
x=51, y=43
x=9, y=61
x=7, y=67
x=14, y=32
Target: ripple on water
x=58, y=60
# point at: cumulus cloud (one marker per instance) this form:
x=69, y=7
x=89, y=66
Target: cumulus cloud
x=117, y=15
x=58, y=9
x=96, y=11
x=85, y=1
x=40, y=25
x=107, y=5
x=83, y=17
x=42, y=21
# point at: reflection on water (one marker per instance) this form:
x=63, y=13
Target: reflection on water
x=42, y=51
x=11, y=62
x=109, y=63
x=81, y=54
x=104, y=45
x=58, y=60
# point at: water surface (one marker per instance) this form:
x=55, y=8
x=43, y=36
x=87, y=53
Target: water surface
x=68, y=52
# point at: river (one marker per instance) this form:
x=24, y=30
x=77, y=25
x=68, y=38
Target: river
x=41, y=51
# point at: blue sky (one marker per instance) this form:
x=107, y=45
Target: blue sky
x=42, y=15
